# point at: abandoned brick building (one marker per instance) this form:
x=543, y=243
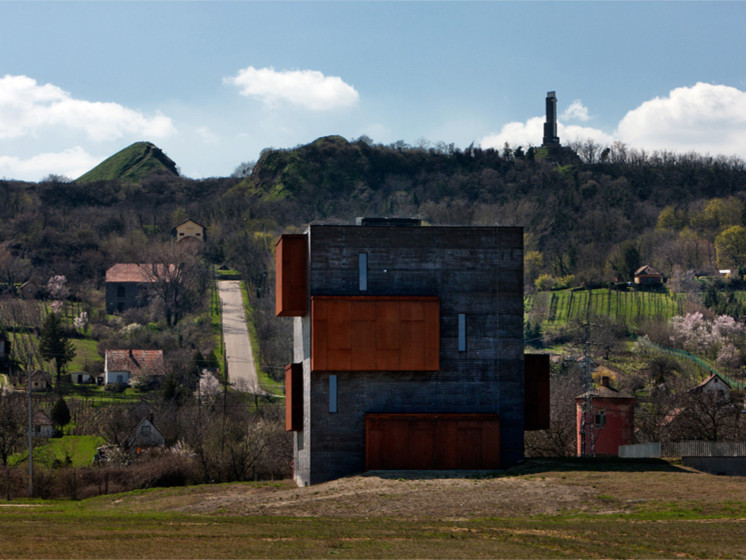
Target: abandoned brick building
x=408, y=348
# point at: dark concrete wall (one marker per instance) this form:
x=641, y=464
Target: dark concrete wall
x=473, y=270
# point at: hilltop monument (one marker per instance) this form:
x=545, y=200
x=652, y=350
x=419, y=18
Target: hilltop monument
x=550, y=126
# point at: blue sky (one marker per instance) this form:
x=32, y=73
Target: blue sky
x=213, y=83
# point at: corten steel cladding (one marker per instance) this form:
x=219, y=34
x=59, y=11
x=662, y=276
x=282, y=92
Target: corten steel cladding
x=432, y=441
x=291, y=276
x=375, y=333
x=294, y=397
x=536, y=391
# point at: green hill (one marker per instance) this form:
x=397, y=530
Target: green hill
x=132, y=164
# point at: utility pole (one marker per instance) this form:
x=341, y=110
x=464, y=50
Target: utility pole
x=30, y=433
x=587, y=417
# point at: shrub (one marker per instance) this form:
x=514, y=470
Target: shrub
x=115, y=387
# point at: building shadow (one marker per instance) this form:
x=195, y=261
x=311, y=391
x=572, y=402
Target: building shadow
x=537, y=466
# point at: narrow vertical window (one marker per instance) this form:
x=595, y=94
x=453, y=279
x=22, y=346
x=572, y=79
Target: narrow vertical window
x=363, y=269
x=332, y=393
x=462, y=332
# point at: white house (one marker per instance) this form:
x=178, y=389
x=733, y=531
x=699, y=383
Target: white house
x=120, y=366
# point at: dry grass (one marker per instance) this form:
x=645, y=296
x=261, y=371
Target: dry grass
x=542, y=510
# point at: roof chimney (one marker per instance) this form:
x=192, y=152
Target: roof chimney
x=605, y=381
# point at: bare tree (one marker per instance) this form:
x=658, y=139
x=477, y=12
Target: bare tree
x=708, y=415
x=560, y=439
x=12, y=417
x=178, y=280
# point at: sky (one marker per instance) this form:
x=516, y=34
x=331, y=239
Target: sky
x=214, y=83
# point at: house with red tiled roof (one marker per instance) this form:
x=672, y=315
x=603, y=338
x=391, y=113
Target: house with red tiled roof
x=127, y=283
x=122, y=366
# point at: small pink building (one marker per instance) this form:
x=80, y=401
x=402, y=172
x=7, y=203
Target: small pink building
x=609, y=421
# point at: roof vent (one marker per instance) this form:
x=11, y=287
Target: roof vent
x=400, y=222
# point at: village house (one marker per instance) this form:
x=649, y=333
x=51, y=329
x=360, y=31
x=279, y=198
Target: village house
x=605, y=420
x=126, y=366
x=713, y=385
x=126, y=286
x=144, y=436
x=189, y=231
x=408, y=348
x=40, y=380
x=43, y=426
x=648, y=276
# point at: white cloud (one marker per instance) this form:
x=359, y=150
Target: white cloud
x=70, y=163
x=531, y=133
x=705, y=118
x=308, y=88
x=27, y=108
x=576, y=111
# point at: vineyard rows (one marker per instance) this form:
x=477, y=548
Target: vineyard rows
x=628, y=306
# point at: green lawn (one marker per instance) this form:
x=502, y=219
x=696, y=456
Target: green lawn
x=80, y=450
x=74, y=530
x=86, y=352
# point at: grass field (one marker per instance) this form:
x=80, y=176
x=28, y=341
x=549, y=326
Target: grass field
x=542, y=510
x=265, y=380
x=79, y=449
x=86, y=352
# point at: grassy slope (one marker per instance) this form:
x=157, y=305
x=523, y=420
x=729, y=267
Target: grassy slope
x=628, y=513
x=86, y=351
x=133, y=163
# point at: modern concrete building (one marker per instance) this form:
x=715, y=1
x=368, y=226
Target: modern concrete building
x=408, y=348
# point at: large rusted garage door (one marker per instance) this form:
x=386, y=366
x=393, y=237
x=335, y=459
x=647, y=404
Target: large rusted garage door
x=432, y=441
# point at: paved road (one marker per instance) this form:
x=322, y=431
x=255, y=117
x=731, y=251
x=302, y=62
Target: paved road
x=241, y=366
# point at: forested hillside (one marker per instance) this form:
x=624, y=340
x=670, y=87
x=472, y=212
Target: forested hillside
x=596, y=216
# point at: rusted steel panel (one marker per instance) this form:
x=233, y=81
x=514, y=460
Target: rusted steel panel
x=375, y=333
x=291, y=276
x=294, y=397
x=432, y=441
x=387, y=325
x=536, y=391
